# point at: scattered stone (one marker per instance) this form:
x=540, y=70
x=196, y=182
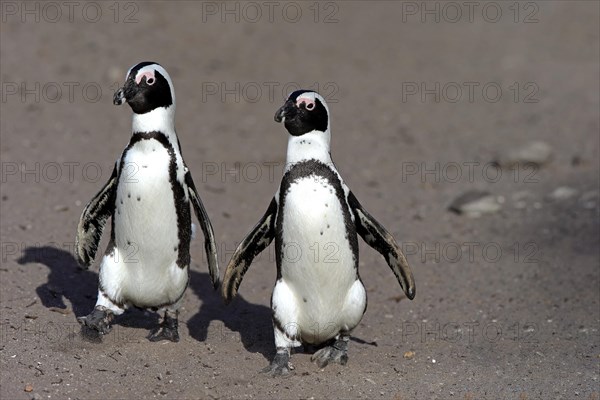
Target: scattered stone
x=61, y=208
x=563, y=193
x=28, y=388
x=537, y=153
x=474, y=204
x=409, y=355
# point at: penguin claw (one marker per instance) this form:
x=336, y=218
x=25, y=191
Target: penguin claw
x=164, y=334
x=168, y=331
x=99, y=320
x=280, y=366
x=336, y=353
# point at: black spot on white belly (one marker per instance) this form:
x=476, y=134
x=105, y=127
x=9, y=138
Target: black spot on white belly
x=181, y=203
x=318, y=171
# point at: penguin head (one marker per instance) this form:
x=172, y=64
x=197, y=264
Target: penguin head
x=304, y=111
x=147, y=87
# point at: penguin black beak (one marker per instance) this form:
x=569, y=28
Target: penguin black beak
x=119, y=97
x=287, y=110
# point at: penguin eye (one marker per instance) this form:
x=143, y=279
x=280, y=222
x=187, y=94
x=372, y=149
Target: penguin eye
x=310, y=106
x=150, y=81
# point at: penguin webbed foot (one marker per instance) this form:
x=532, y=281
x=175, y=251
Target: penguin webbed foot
x=168, y=330
x=280, y=366
x=336, y=353
x=98, y=320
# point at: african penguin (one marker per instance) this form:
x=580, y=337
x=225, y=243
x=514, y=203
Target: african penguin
x=148, y=196
x=318, y=298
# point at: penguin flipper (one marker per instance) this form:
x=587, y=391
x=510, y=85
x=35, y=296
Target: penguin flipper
x=257, y=240
x=92, y=221
x=209, y=237
x=376, y=236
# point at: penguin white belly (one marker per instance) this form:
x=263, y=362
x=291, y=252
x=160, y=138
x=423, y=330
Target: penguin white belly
x=146, y=231
x=317, y=261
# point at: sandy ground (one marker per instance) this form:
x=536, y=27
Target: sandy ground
x=507, y=304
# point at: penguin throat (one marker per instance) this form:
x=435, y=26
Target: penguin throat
x=310, y=146
x=161, y=119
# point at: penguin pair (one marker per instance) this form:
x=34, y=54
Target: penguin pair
x=314, y=218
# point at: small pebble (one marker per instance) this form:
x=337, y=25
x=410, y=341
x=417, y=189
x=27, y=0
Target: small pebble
x=475, y=203
x=563, y=193
x=409, y=355
x=28, y=388
x=537, y=153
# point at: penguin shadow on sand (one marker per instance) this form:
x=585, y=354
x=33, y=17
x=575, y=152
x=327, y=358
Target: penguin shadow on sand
x=68, y=281
x=244, y=322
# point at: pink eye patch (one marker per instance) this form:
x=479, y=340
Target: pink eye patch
x=309, y=103
x=149, y=77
